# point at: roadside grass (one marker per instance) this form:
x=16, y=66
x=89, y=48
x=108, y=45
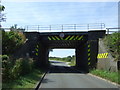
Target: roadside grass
x=27, y=81
x=112, y=76
x=72, y=63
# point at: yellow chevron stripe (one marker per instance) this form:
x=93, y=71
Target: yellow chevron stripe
x=53, y=38
x=88, y=63
x=49, y=38
x=89, y=59
x=80, y=38
x=71, y=37
x=88, y=54
x=98, y=55
x=57, y=38
x=89, y=46
x=106, y=55
x=88, y=50
x=67, y=37
x=61, y=38
x=76, y=37
x=102, y=55
x=37, y=46
x=36, y=54
x=36, y=49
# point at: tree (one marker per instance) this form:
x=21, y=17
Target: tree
x=2, y=15
x=14, y=28
x=2, y=8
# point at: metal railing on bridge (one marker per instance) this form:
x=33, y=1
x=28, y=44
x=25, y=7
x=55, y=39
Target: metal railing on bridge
x=112, y=30
x=65, y=27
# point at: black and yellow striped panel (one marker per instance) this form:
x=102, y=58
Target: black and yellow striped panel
x=36, y=50
x=70, y=37
x=102, y=55
x=36, y=54
x=88, y=54
x=37, y=46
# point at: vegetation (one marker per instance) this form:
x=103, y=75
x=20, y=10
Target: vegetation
x=2, y=8
x=11, y=41
x=112, y=42
x=13, y=69
x=27, y=81
x=21, y=72
x=2, y=15
x=112, y=76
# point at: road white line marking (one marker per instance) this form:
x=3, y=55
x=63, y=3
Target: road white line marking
x=104, y=79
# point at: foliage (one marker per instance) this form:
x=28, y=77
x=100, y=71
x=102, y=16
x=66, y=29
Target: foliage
x=113, y=43
x=11, y=41
x=2, y=8
x=27, y=65
x=112, y=76
x=13, y=69
x=2, y=15
x=14, y=28
x=26, y=81
x=17, y=69
x=70, y=59
x=6, y=66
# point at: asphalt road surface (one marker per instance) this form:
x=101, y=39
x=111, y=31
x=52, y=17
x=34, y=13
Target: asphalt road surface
x=63, y=76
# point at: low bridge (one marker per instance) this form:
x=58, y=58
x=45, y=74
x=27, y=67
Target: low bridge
x=85, y=44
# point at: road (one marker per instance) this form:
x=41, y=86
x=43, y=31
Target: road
x=63, y=76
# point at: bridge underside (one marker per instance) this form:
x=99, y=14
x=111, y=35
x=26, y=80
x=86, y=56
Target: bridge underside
x=63, y=44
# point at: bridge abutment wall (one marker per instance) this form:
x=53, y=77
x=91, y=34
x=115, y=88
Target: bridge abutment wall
x=93, y=37
x=81, y=58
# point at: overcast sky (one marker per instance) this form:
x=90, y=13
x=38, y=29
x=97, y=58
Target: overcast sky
x=46, y=13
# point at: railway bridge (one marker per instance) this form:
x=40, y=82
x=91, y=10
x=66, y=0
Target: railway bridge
x=84, y=42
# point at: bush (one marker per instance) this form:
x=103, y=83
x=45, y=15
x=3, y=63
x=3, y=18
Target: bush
x=17, y=69
x=5, y=57
x=6, y=67
x=113, y=43
x=27, y=66
x=14, y=69
x=22, y=67
x=11, y=41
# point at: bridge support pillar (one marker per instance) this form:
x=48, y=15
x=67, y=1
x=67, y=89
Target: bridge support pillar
x=81, y=58
x=93, y=53
x=93, y=37
x=43, y=56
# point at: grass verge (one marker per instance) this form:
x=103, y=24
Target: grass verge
x=27, y=81
x=72, y=63
x=112, y=76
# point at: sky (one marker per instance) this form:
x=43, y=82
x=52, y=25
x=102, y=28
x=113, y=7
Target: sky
x=25, y=13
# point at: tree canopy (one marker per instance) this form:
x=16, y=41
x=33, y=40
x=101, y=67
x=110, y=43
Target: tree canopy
x=2, y=15
x=2, y=8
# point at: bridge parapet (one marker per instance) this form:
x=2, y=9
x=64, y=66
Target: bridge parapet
x=65, y=27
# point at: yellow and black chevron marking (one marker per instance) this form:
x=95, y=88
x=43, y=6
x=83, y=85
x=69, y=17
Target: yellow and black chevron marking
x=73, y=37
x=37, y=46
x=36, y=50
x=36, y=54
x=102, y=55
x=88, y=54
